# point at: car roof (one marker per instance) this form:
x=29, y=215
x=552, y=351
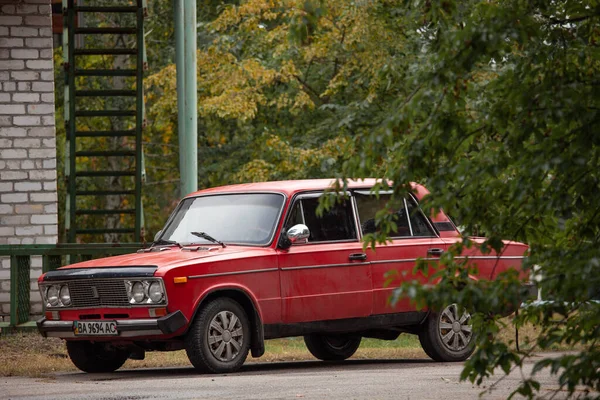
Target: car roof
x=291, y=187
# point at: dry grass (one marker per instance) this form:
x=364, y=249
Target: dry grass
x=28, y=354
x=527, y=337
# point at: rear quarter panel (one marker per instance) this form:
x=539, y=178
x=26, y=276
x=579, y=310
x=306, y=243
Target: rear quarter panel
x=489, y=265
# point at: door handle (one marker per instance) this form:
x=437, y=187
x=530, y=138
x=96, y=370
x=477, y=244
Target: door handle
x=435, y=252
x=358, y=256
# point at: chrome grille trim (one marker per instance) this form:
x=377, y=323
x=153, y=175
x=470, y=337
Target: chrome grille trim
x=98, y=293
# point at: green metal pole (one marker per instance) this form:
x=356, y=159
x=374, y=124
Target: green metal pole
x=71, y=224
x=180, y=63
x=191, y=100
x=139, y=121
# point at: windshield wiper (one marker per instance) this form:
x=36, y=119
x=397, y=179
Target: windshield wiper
x=206, y=236
x=164, y=241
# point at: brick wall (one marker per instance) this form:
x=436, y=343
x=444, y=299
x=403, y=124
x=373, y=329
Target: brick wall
x=28, y=192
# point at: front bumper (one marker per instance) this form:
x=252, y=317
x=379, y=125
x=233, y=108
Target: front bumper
x=127, y=328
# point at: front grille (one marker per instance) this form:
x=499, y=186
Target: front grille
x=98, y=293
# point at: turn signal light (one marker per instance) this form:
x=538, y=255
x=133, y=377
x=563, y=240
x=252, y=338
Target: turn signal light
x=180, y=279
x=157, y=312
x=52, y=315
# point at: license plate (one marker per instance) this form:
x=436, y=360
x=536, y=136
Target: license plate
x=95, y=328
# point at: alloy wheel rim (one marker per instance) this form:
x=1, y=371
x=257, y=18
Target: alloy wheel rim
x=225, y=336
x=455, y=330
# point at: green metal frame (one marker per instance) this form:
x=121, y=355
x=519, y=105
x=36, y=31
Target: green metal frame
x=70, y=53
x=52, y=258
x=70, y=220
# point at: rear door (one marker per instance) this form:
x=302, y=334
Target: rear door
x=413, y=238
x=328, y=277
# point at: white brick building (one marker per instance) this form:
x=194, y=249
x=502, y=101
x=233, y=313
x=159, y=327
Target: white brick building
x=28, y=185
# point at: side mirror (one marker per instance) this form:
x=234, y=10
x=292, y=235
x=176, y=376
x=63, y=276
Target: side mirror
x=298, y=233
x=157, y=235
x=295, y=234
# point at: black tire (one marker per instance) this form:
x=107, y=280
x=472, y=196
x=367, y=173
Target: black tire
x=203, y=344
x=447, y=336
x=332, y=347
x=96, y=356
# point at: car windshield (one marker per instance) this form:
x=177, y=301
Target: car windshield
x=228, y=218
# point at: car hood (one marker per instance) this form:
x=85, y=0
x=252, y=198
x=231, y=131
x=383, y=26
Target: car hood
x=170, y=256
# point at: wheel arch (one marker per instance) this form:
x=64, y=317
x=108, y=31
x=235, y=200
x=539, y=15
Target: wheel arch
x=250, y=306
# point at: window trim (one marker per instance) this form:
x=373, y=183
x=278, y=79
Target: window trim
x=357, y=225
x=412, y=233
x=436, y=233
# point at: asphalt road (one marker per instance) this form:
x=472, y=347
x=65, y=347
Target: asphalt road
x=352, y=379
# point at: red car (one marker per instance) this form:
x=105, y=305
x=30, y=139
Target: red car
x=240, y=264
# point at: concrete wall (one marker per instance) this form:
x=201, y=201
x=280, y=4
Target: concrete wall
x=28, y=187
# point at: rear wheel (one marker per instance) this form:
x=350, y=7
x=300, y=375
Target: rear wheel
x=96, y=356
x=448, y=336
x=219, y=338
x=332, y=347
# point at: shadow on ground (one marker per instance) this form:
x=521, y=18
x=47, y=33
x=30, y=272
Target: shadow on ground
x=249, y=369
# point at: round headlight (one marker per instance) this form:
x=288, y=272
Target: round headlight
x=52, y=296
x=137, y=292
x=65, y=296
x=155, y=292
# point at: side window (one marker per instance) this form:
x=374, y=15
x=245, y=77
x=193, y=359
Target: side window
x=335, y=224
x=418, y=221
x=368, y=205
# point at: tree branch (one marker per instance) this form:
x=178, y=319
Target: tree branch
x=567, y=20
x=311, y=92
x=336, y=61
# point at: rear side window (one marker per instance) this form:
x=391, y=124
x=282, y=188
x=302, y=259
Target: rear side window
x=409, y=219
x=368, y=205
x=335, y=224
x=420, y=225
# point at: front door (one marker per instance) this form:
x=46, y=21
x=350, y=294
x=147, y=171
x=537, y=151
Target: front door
x=328, y=277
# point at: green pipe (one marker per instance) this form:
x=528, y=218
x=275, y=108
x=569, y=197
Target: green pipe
x=139, y=122
x=190, y=184
x=71, y=222
x=180, y=64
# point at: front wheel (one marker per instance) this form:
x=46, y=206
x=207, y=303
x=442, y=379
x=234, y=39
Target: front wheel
x=332, y=347
x=448, y=336
x=95, y=356
x=219, y=339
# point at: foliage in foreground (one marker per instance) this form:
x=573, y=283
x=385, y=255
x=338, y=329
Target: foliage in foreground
x=493, y=104
x=502, y=125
